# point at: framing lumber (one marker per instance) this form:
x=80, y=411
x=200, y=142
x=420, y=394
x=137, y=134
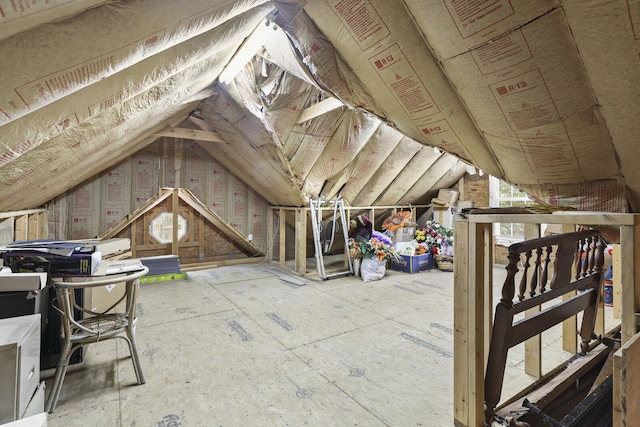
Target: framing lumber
x=205, y=216
x=194, y=134
x=552, y=385
x=319, y=109
x=533, y=346
x=626, y=383
x=468, y=399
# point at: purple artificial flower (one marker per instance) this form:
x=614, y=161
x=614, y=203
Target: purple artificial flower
x=382, y=237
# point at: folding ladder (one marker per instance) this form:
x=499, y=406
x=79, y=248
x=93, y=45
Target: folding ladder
x=337, y=206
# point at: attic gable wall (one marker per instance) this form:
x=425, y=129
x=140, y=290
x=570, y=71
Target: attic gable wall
x=96, y=205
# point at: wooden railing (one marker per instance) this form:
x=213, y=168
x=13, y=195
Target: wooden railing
x=473, y=306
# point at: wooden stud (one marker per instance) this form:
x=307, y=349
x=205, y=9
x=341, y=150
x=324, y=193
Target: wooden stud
x=533, y=346
x=617, y=286
x=175, y=203
x=201, y=247
x=626, y=383
x=569, y=326
x=43, y=225
x=461, y=346
x=32, y=227
x=476, y=320
x=22, y=227
x=489, y=258
x=283, y=237
x=629, y=241
x=301, y=241
x=133, y=229
x=270, y=234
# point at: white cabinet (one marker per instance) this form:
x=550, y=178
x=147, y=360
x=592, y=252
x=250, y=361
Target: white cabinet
x=19, y=367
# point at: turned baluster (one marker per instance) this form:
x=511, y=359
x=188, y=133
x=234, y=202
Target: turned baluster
x=525, y=273
x=591, y=248
x=545, y=270
x=536, y=272
x=509, y=287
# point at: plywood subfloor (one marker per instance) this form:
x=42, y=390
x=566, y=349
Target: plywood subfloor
x=246, y=345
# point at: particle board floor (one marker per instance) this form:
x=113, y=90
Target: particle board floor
x=247, y=346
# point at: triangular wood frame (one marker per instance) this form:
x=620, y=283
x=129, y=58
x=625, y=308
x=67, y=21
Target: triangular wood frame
x=182, y=198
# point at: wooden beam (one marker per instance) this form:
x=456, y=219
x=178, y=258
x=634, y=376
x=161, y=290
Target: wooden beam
x=283, y=237
x=175, y=203
x=617, y=287
x=533, y=346
x=224, y=227
x=301, y=241
x=319, y=109
x=626, y=384
x=183, y=133
x=270, y=234
x=570, y=326
x=629, y=250
x=461, y=345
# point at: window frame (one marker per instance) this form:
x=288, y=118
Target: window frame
x=494, y=201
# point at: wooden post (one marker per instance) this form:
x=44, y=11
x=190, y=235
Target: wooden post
x=626, y=387
x=201, y=249
x=629, y=241
x=533, y=346
x=133, y=231
x=472, y=259
x=461, y=345
x=21, y=227
x=489, y=258
x=478, y=233
x=617, y=284
x=283, y=237
x=301, y=241
x=177, y=161
x=175, y=203
x=569, y=326
x=270, y=234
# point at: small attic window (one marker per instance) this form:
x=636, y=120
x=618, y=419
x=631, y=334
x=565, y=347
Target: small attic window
x=503, y=194
x=161, y=227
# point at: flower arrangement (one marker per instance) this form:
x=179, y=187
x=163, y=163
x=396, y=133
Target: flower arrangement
x=379, y=246
x=436, y=238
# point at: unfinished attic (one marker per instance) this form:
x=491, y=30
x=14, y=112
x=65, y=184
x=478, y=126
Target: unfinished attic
x=211, y=160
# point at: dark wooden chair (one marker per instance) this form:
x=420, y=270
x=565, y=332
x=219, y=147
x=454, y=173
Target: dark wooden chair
x=577, y=260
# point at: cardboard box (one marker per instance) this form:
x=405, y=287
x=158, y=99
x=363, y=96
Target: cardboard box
x=449, y=195
x=405, y=234
x=413, y=264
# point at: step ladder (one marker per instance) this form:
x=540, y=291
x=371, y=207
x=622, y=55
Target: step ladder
x=323, y=246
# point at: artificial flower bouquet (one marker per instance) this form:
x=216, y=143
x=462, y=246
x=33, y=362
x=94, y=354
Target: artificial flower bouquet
x=379, y=246
x=436, y=238
x=414, y=249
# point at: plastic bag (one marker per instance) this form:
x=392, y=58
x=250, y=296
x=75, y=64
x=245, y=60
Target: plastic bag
x=371, y=269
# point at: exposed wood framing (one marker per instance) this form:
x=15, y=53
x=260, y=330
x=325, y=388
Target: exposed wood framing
x=208, y=239
x=617, y=287
x=319, y=109
x=194, y=134
x=298, y=220
x=626, y=383
x=533, y=346
x=569, y=326
x=469, y=344
x=25, y=225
